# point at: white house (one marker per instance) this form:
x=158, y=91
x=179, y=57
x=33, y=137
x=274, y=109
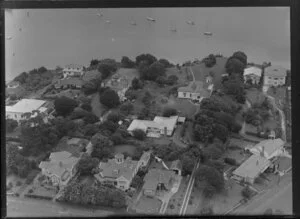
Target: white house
x=159, y=126
x=252, y=73
x=269, y=148
x=118, y=171
x=60, y=169
x=251, y=168
x=20, y=109
x=73, y=70
x=274, y=76
x=195, y=91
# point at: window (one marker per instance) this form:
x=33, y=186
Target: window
x=184, y=94
x=15, y=115
x=275, y=78
x=270, y=78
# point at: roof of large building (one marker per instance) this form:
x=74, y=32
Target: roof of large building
x=113, y=169
x=196, y=87
x=25, y=106
x=275, y=71
x=156, y=176
x=270, y=145
x=74, y=66
x=252, y=167
x=59, y=163
x=253, y=70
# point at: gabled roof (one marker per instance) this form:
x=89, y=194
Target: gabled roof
x=275, y=71
x=269, y=145
x=59, y=163
x=25, y=106
x=156, y=176
x=176, y=164
x=112, y=169
x=252, y=167
x=253, y=70
x=74, y=66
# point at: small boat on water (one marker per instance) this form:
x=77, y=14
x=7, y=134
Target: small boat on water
x=151, y=19
x=190, y=22
x=208, y=33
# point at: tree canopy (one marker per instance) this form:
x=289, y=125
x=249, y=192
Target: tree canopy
x=106, y=67
x=86, y=164
x=64, y=105
x=109, y=98
x=148, y=59
x=127, y=63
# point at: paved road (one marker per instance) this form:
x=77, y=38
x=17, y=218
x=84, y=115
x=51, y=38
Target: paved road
x=191, y=70
x=27, y=207
x=278, y=197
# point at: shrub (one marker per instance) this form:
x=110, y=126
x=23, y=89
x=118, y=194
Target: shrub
x=139, y=134
x=86, y=107
x=117, y=139
x=246, y=192
x=30, y=191
x=230, y=161
x=109, y=98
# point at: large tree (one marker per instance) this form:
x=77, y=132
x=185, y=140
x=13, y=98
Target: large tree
x=64, y=105
x=211, y=177
x=136, y=84
x=240, y=56
x=203, y=133
x=147, y=58
x=106, y=67
x=110, y=98
x=86, y=164
x=127, y=63
x=234, y=65
x=102, y=147
x=155, y=70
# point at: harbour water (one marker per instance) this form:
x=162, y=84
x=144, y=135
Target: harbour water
x=52, y=37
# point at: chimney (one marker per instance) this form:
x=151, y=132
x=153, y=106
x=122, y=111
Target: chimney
x=165, y=131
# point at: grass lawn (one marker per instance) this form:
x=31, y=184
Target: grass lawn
x=147, y=205
x=97, y=108
x=180, y=74
x=201, y=71
x=130, y=149
x=255, y=96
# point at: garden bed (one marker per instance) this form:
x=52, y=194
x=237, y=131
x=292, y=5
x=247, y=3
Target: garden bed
x=148, y=205
x=177, y=199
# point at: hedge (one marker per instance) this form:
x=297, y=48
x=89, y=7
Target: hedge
x=38, y=196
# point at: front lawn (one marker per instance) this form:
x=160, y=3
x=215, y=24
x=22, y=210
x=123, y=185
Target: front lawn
x=147, y=205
